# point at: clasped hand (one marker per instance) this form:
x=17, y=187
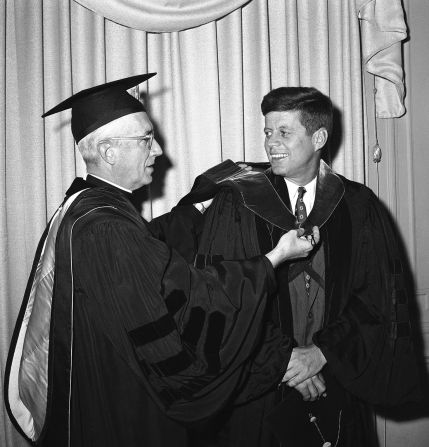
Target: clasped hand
x=312, y=388
x=303, y=371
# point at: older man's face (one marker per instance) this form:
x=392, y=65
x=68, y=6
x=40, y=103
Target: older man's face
x=135, y=163
x=290, y=150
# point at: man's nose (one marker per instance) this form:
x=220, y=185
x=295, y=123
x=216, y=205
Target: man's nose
x=156, y=149
x=273, y=141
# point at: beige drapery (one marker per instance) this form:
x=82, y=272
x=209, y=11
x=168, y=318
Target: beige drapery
x=383, y=29
x=162, y=15
x=205, y=103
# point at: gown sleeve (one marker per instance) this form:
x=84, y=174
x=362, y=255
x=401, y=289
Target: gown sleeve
x=265, y=369
x=369, y=347
x=180, y=228
x=186, y=332
x=229, y=233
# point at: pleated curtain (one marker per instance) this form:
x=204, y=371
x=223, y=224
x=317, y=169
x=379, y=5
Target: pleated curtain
x=204, y=102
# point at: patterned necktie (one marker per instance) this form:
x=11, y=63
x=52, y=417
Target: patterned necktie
x=301, y=215
x=300, y=209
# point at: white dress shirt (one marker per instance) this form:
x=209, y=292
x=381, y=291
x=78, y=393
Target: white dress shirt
x=308, y=197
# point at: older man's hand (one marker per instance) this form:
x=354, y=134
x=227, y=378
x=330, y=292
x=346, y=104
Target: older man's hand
x=305, y=362
x=293, y=245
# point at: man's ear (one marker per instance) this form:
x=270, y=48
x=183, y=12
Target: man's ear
x=107, y=152
x=319, y=138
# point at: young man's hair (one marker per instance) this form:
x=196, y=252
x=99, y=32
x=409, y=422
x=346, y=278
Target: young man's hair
x=314, y=107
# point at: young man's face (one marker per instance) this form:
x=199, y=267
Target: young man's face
x=291, y=152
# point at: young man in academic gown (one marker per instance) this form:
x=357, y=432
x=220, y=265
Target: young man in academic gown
x=344, y=309
x=118, y=335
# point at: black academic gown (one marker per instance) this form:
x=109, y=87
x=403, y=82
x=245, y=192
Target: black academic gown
x=139, y=339
x=366, y=335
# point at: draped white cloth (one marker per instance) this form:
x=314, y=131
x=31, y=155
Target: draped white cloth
x=205, y=104
x=162, y=15
x=383, y=28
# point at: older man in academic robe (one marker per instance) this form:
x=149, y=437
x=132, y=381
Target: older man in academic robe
x=118, y=335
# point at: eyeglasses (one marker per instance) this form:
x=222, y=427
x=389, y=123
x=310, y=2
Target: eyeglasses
x=145, y=140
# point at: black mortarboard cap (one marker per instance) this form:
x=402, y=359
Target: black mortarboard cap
x=96, y=106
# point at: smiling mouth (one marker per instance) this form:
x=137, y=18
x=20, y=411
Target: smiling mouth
x=279, y=156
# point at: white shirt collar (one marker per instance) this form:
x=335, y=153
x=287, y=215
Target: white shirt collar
x=309, y=196
x=111, y=183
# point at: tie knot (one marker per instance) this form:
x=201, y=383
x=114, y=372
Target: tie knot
x=301, y=192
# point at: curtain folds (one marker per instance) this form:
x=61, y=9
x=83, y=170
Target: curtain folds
x=162, y=16
x=204, y=102
x=383, y=30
